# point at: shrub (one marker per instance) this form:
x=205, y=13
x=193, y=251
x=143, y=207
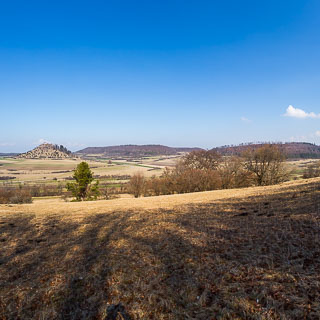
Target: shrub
x=184, y=179
x=93, y=191
x=6, y=178
x=15, y=195
x=312, y=171
x=207, y=170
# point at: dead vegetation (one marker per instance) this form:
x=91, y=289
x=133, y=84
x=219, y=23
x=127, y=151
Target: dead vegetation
x=207, y=170
x=246, y=256
x=15, y=195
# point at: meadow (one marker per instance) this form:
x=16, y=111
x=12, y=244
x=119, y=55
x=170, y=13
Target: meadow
x=46, y=170
x=250, y=253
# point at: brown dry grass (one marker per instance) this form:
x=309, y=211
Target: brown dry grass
x=237, y=254
x=33, y=170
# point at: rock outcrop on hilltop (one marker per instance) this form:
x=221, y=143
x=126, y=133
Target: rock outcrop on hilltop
x=47, y=151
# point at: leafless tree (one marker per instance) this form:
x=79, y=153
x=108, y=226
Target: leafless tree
x=202, y=160
x=233, y=173
x=136, y=184
x=266, y=163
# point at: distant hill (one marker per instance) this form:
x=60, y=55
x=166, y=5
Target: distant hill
x=134, y=150
x=47, y=151
x=293, y=150
x=10, y=154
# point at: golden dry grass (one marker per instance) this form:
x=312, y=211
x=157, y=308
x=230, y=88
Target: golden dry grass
x=35, y=170
x=236, y=254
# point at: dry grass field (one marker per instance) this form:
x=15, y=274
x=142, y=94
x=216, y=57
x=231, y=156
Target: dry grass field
x=233, y=254
x=38, y=170
x=298, y=167
x=45, y=170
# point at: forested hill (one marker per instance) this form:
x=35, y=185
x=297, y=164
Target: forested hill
x=293, y=150
x=135, y=150
x=8, y=154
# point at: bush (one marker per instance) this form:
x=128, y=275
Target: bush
x=207, y=170
x=312, y=171
x=184, y=178
x=110, y=193
x=43, y=190
x=6, y=178
x=15, y=195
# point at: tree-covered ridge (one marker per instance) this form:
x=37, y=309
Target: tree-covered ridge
x=292, y=150
x=135, y=150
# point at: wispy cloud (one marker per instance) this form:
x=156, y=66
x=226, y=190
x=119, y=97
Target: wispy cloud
x=74, y=145
x=244, y=119
x=298, y=138
x=7, y=144
x=299, y=113
x=306, y=137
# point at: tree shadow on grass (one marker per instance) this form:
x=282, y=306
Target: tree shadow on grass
x=197, y=262
x=56, y=269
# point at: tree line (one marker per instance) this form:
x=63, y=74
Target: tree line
x=197, y=171
x=208, y=170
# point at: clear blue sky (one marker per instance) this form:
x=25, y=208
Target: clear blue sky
x=179, y=73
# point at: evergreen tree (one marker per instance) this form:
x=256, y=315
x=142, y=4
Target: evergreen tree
x=83, y=176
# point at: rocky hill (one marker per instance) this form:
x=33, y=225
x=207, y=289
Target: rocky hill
x=134, y=150
x=293, y=150
x=47, y=151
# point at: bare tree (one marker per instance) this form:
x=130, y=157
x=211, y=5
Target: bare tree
x=203, y=160
x=197, y=171
x=266, y=163
x=136, y=184
x=233, y=173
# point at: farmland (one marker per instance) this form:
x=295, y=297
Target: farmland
x=44, y=171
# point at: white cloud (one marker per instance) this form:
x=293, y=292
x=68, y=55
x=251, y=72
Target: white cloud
x=245, y=119
x=299, y=113
x=40, y=141
x=317, y=133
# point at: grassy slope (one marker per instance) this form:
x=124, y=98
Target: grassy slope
x=236, y=254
